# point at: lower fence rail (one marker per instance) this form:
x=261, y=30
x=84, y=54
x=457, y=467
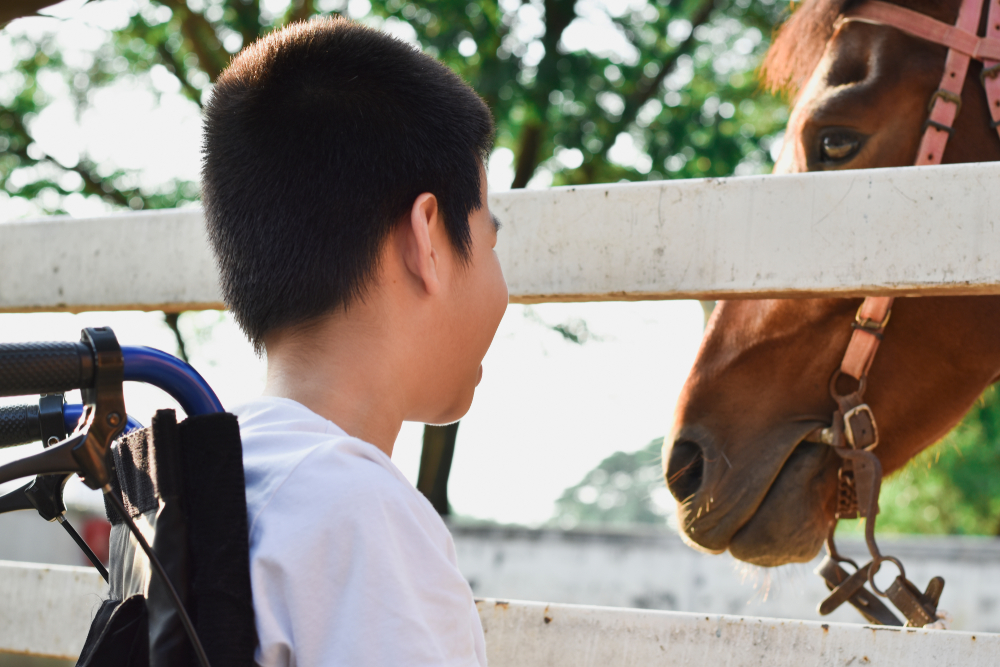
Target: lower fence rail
x=533, y=634
x=45, y=610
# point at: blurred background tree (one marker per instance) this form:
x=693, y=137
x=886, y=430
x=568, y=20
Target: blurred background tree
x=625, y=488
x=583, y=91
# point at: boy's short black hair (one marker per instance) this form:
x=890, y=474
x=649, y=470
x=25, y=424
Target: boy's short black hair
x=318, y=138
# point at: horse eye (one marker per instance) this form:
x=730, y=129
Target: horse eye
x=838, y=146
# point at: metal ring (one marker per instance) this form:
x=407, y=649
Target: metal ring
x=876, y=565
x=836, y=376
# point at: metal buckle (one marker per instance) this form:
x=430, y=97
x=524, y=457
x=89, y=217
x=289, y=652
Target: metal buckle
x=941, y=127
x=947, y=96
x=870, y=324
x=849, y=432
x=989, y=73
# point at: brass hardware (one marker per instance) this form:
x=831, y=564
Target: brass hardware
x=870, y=324
x=947, y=96
x=989, y=73
x=849, y=431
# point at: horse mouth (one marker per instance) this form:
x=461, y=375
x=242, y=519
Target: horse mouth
x=782, y=518
x=791, y=522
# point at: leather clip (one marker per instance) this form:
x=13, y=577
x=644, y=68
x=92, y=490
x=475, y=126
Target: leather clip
x=920, y=609
x=851, y=589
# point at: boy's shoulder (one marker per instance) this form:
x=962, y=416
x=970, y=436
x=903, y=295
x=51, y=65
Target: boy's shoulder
x=296, y=459
x=343, y=548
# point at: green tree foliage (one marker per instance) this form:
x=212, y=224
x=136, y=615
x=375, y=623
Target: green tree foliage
x=668, y=92
x=625, y=488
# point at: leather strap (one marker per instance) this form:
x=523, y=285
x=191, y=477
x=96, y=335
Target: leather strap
x=870, y=322
x=960, y=37
x=963, y=43
x=947, y=100
x=991, y=67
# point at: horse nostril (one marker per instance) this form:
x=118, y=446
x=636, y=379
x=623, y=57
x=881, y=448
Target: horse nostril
x=685, y=469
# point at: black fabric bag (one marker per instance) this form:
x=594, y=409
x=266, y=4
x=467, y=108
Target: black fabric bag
x=183, y=485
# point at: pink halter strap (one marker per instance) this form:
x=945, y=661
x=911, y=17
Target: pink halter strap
x=963, y=44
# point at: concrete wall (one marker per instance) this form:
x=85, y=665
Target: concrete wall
x=655, y=570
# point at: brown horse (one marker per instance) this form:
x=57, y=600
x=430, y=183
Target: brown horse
x=738, y=464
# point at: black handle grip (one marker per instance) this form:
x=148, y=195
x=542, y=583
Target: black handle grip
x=44, y=368
x=19, y=425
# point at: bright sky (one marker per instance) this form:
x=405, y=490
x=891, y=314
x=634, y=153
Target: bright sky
x=548, y=410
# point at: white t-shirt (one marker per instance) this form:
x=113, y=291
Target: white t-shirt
x=350, y=565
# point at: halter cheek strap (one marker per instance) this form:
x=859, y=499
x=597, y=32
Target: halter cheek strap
x=853, y=433
x=947, y=99
x=868, y=325
x=991, y=66
x=963, y=45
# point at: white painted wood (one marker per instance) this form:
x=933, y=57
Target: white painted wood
x=155, y=260
x=886, y=231
x=46, y=609
x=910, y=230
x=533, y=634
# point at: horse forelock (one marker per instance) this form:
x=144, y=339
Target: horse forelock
x=799, y=42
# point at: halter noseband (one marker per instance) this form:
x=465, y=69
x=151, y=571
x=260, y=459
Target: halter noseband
x=853, y=433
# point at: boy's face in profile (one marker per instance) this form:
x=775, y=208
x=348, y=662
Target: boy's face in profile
x=474, y=308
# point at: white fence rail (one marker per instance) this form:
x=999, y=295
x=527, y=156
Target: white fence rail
x=911, y=230
x=533, y=634
x=46, y=611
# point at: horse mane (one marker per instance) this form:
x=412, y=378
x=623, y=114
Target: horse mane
x=798, y=44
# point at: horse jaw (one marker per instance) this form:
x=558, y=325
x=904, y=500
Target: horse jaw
x=791, y=523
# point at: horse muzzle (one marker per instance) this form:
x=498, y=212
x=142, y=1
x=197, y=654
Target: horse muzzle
x=768, y=500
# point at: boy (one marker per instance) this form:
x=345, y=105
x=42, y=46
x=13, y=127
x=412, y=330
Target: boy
x=345, y=196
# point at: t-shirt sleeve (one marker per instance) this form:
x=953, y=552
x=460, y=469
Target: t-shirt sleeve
x=347, y=570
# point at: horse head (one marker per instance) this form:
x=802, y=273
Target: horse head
x=739, y=464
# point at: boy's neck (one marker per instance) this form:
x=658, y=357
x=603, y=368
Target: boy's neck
x=344, y=371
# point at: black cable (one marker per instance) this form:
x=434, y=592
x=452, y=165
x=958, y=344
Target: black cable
x=116, y=502
x=84, y=547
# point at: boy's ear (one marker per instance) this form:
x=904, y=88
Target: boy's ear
x=419, y=254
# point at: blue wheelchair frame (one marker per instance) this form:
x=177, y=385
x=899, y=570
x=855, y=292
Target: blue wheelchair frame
x=93, y=426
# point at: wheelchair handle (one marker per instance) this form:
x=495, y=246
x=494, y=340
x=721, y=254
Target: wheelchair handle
x=21, y=424
x=44, y=368
x=51, y=368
